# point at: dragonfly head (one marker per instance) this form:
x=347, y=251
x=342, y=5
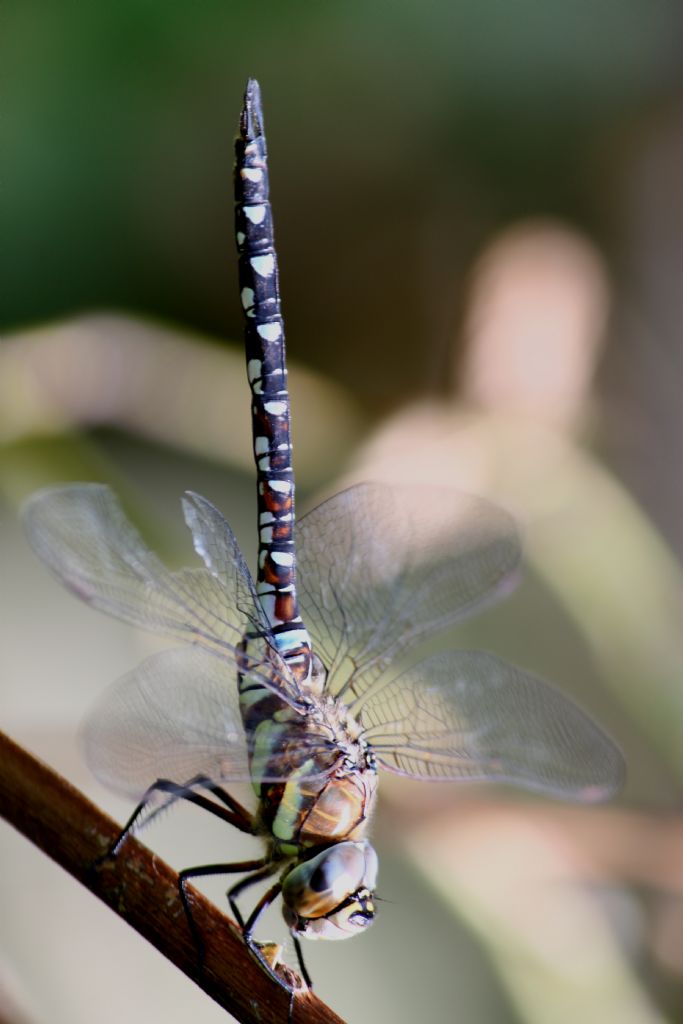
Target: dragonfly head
x=330, y=895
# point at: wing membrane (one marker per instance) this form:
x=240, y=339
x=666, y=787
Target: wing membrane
x=216, y=545
x=382, y=568
x=467, y=715
x=83, y=536
x=175, y=716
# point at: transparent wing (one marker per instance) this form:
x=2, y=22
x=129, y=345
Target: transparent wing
x=83, y=536
x=467, y=715
x=175, y=716
x=381, y=568
x=216, y=545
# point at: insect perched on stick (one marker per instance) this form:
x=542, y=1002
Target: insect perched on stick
x=307, y=680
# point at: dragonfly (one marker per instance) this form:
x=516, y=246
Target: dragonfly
x=308, y=679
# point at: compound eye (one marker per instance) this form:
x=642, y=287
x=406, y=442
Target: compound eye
x=318, y=886
x=325, y=874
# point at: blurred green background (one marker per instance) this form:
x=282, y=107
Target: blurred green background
x=480, y=229
x=401, y=136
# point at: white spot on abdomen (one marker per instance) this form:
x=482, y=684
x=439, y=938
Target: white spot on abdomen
x=283, y=557
x=267, y=599
x=269, y=332
x=263, y=265
x=251, y=173
x=255, y=213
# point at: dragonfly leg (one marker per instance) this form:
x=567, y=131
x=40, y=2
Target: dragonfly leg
x=213, y=869
x=229, y=801
x=253, y=946
x=241, y=819
x=127, y=828
x=244, y=883
x=300, y=959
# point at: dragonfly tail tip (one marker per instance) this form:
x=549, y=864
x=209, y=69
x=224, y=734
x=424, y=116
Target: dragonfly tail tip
x=251, y=119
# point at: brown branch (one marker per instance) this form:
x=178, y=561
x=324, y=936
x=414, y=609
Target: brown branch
x=143, y=890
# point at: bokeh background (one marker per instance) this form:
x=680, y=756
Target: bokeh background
x=480, y=227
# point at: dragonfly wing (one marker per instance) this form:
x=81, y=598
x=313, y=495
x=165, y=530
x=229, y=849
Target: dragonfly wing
x=381, y=568
x=217, y=546
x=467, y=715
x=84, y=537
x=175, y=716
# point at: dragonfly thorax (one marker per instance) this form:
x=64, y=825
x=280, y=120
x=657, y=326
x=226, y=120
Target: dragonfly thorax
x=325, y=793
x=330, y=895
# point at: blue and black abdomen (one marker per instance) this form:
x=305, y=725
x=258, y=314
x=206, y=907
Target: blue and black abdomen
x=267, y=373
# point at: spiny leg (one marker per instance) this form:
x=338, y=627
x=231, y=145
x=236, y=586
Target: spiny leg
x=206, y=782
x=244, y=883
x=234, y=814
x=241, y=812
x=253, y=946
x=300, y=958
x=263, y=868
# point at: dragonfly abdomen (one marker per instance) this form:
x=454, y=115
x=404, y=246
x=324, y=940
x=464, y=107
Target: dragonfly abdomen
x=267, y=373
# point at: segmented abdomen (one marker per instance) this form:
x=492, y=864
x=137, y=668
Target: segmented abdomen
x=267, y=373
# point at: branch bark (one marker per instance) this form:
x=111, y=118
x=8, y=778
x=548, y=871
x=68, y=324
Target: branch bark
x=143, y=890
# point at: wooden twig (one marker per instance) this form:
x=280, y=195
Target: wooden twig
x=143, y=890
